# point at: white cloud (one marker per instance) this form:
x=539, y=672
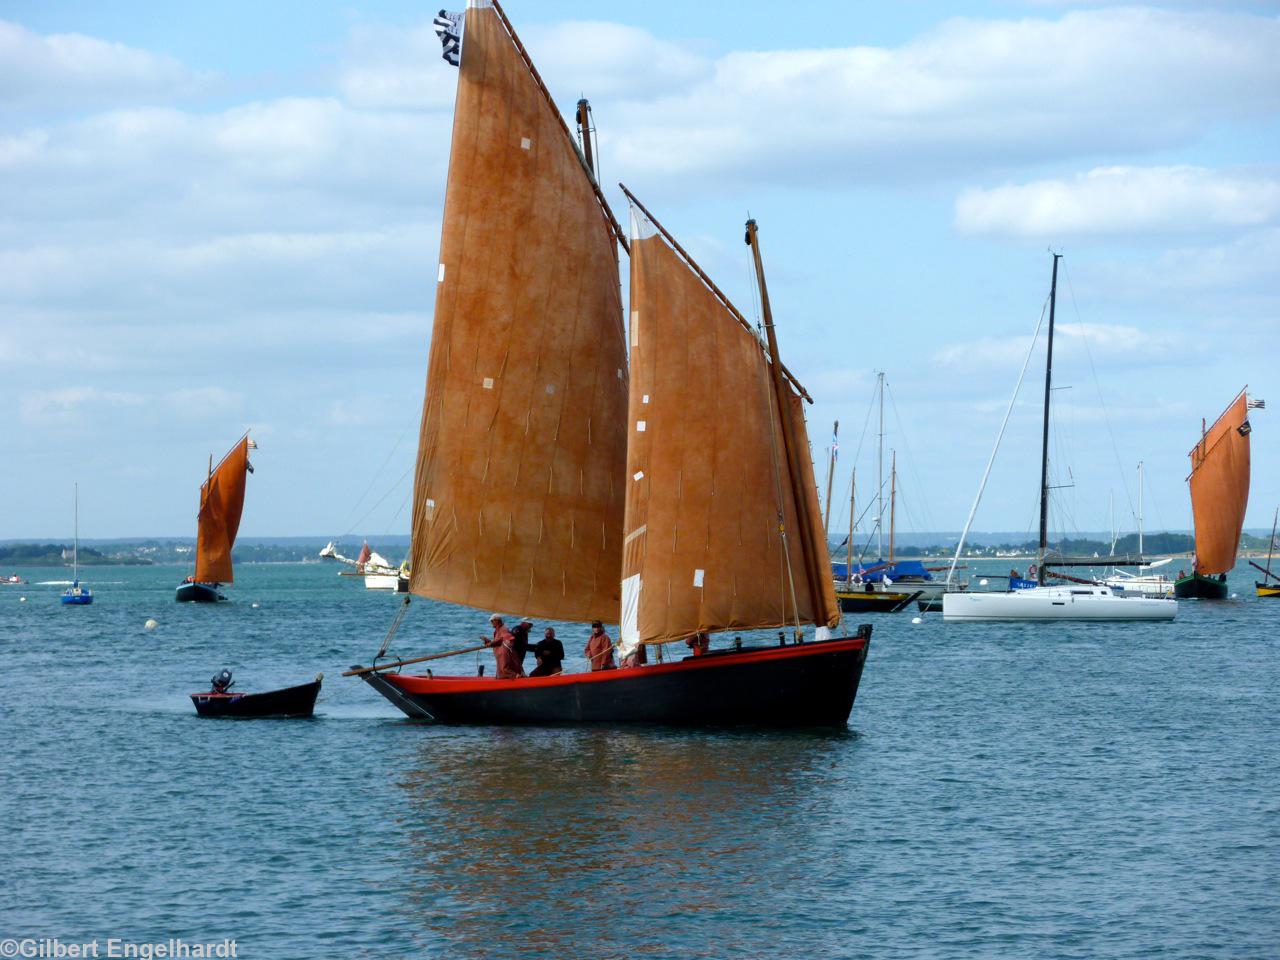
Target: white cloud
x=969, y=95
x=612, y=60
x=1104, y=343
x=73, y=70
x=204, y=400
x=1122, y=200
x=68, y=404
x=390, y=69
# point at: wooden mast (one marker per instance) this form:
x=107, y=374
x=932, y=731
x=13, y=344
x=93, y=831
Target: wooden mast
x=804, y=520
x=584, y=134
x=831, y=472
x=893, y=500
x=1044, y=446
x=1270, y=546
x=853, y=493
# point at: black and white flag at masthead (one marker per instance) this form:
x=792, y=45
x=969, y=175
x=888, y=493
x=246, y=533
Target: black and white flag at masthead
x=449, y=30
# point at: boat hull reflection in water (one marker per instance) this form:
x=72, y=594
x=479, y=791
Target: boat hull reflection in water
x=810, y=684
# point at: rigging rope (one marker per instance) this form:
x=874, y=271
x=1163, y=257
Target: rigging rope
x=994, y=450
x=395, y=625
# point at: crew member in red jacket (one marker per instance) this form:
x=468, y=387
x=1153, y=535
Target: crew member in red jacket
x=504, y=650
x=599, y=649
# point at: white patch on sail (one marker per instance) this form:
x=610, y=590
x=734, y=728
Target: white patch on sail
x=635, y=328
x=645, y=398
x=431, y=504
x=551, y=388
x=629, y=634
x=638, y=475
x=488, y=383
x=525, y=143
x=639, y=426
x=697, y=577
x=440, y=278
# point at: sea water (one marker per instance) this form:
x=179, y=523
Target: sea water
x=1012, y=790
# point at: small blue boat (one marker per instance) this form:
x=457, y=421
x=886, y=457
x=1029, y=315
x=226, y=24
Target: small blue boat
x=76, y=595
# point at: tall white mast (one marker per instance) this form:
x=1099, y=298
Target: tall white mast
x=880, y=475
x=1139, y=508
x=75, y=543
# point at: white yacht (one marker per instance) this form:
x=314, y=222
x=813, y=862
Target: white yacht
x=1069, y=602
x=1083, y=601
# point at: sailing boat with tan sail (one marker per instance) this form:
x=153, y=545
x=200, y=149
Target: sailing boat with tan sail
x=675, y=500
x=221, y=504
x=1219, y=484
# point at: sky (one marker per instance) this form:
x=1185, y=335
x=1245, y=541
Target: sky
x=220, y=217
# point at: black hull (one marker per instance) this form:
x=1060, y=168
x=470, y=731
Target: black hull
x=297, y=701
x=198, y=593
x=811, y=684
x=1198, y=587
x=861, y=602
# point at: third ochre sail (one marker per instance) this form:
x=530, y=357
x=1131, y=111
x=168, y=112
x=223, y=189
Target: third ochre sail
x=518, y=498
x=708, y=488
x=1219, y=494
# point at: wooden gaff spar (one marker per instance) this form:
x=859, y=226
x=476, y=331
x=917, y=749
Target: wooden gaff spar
x=526, y=494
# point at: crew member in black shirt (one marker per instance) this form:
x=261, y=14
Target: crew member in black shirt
x=549, y=652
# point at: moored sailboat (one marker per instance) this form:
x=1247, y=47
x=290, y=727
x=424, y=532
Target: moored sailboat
x=674, y=500
x=1048, y=601
x=1219, y=483
x=376, y=570
x=221, y=505
x=76, y=595
x=1269, y=586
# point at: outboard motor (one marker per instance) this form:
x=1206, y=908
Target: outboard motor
x=221, y=681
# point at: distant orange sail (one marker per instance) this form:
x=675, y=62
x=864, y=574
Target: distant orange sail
x=221, y=504
x=1220, y=487
x=707, y=482
x=518, y=495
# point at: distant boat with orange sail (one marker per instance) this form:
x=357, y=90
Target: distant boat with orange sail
x=1219, y=483
x=1269, y=586
x=221, y=504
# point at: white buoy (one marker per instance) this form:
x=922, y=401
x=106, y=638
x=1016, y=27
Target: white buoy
x=254, y=605
x=1235, y=596
x=150, y=624
x=916, y=620
x=982, y=583
x=22, y=599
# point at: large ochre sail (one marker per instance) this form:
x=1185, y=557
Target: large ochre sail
x=1220, y=487
x=518, y=495
x=221, y=504
x=707, y=481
